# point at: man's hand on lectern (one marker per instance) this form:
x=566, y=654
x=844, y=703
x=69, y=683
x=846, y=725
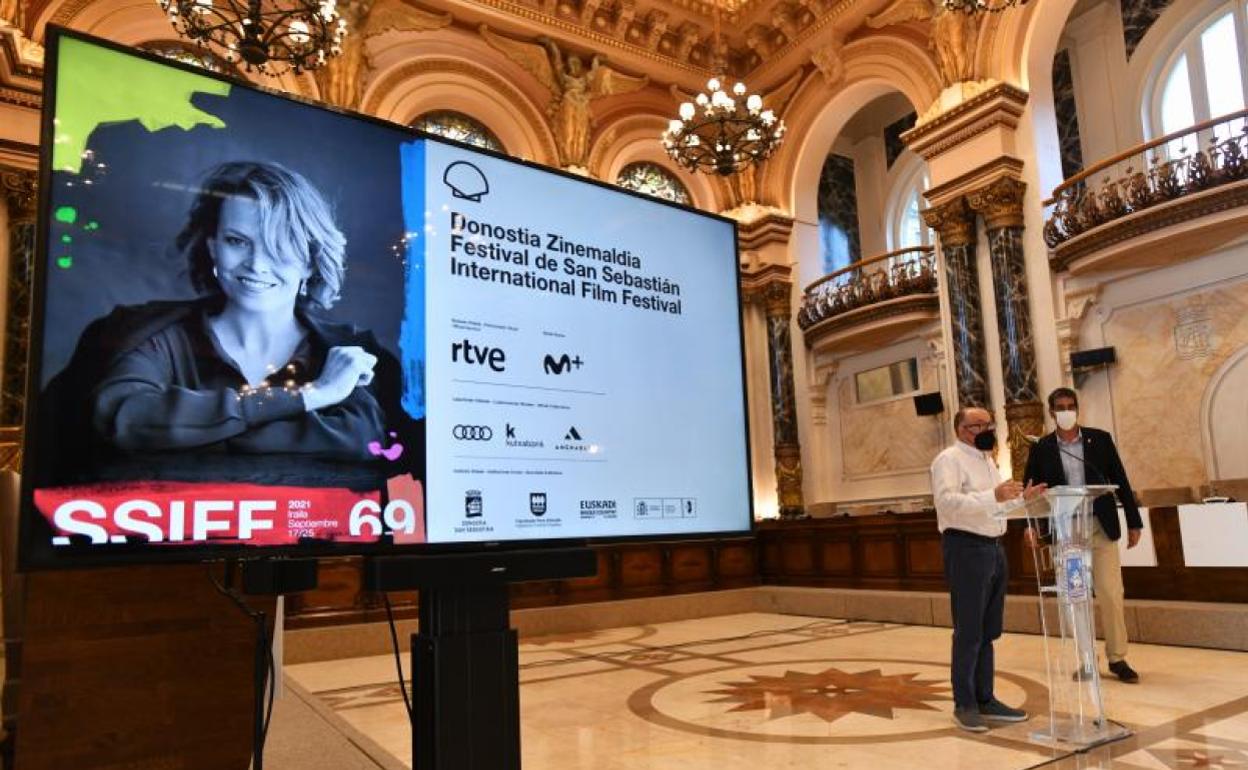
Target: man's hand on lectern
x=1032, y=491
x=1133, y=537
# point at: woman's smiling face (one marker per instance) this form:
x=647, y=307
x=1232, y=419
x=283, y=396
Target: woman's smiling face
x=250, y=274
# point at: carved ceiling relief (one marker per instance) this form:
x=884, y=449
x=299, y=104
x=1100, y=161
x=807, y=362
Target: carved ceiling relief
x=573, y=84
x=952, y=36
x=342, y=81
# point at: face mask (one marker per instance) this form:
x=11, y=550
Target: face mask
x=1066, y=420
x=985, y=441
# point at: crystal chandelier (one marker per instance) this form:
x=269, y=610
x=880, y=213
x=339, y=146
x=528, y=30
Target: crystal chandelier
x=980, y=6
x=721, y=131
x=266, y=35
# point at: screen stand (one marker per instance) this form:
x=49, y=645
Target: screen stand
x=465, y=657
x=465, y=680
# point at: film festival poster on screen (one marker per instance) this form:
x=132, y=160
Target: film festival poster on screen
x=250, y=337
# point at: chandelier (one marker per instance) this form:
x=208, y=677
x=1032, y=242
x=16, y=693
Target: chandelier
x=970, y=7
x=266, y=35
x=722, y=132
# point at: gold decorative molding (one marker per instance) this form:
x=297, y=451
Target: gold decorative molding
x=770, y=286
x=589, y=35
x=520, y=106
x=1000, y=104
x=1024, y=419
x=953, y=221
x=978, y=178
x=21, y=69
x=1000, y=203
x=20, y=194
x=773, y=228
x=875, y=323
x=789, y=480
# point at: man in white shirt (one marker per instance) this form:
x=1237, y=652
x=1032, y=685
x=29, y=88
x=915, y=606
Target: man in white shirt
x=968, y=490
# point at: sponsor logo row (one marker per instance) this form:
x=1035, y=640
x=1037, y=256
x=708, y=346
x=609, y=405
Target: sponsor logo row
x=469, y=353
x=573, y=439
x=475, y=506
x=643, y=507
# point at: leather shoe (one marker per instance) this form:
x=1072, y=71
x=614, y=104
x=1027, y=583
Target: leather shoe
x=1124, y=672
x=970, y=720
x=996, y=711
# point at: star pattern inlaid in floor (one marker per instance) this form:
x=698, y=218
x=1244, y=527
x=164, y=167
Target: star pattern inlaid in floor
x=832, y=693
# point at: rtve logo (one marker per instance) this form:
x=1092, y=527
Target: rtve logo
x=561, y=364
x=482, y=355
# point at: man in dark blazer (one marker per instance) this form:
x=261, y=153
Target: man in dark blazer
x=1076, y=455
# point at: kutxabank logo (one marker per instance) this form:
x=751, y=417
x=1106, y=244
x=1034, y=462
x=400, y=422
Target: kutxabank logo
x=510, y=439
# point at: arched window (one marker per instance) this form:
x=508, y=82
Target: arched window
x=652, y=179
x=190, y=54
x=460, y=127
x=839, y=240
x=1204, y=77
x=905, y=226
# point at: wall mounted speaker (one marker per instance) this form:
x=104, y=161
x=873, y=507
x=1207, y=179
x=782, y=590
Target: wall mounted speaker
x=928, y=404
x=1083, y=359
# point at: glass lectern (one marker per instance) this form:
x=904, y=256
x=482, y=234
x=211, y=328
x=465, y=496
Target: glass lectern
x=1076, y=712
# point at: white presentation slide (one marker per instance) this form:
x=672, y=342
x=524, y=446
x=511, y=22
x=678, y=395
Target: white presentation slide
x=583, y=359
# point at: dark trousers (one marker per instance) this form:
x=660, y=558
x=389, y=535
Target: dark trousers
x=976, y=572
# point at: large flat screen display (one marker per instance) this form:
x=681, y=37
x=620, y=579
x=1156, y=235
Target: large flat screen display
x=263, y=326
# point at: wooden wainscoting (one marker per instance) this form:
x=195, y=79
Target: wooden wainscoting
x=890, y=551
x=898, y=552
x=625, y=571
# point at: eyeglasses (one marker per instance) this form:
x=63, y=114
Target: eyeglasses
x=979, y=427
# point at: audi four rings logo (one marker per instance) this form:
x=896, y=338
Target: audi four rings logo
x=473, y=432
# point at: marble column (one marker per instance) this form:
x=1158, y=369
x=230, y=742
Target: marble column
x=18, y=186
x=18, y=189
x=954, y=222
x=788, y=449
x=1001, y=205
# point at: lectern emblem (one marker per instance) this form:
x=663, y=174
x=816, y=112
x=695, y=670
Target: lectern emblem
x=1073, y=580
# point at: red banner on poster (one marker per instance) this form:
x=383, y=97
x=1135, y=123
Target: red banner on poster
x=183, y=513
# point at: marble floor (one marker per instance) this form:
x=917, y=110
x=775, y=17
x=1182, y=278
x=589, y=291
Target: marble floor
x=755, y=691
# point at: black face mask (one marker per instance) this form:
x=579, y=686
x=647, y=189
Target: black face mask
x=985, y=441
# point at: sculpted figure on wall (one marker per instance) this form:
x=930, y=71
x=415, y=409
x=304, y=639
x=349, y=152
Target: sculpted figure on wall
x=573, y=86
x=951, y=34
x=342, y=80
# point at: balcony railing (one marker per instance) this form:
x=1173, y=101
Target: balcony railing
x=1148, y=175
x=867, y=282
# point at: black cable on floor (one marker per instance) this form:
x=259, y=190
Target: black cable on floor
x=398, y=659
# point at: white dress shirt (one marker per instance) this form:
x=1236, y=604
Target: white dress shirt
x=963, y=480
x=1071, y=453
